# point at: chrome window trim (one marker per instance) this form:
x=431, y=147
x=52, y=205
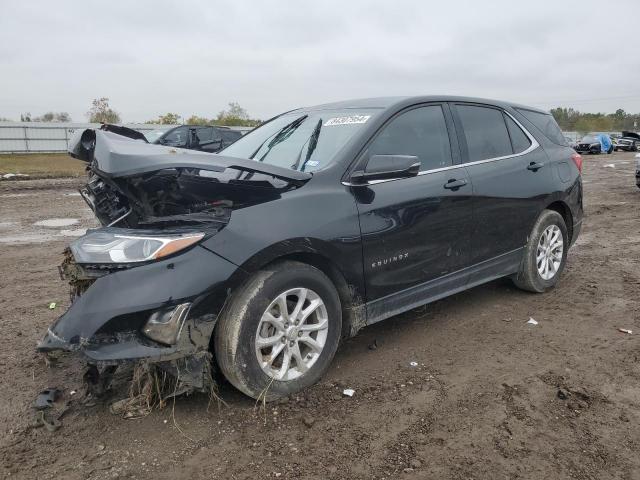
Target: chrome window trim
x=532, y=147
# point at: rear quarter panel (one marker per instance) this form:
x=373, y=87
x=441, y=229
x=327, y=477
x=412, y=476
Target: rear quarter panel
x=565, y=179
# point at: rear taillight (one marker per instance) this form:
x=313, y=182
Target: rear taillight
x=577, y=159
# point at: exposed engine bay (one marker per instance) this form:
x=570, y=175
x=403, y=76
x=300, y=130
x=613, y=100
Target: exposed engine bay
x=133, y=184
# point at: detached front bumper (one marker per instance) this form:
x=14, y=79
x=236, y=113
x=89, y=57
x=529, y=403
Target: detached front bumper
x=105, y=324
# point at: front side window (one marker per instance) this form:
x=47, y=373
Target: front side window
x=176, y=137
x=421, y=132
x=485, y=132
x=229, y=136
x=204, y=134
x=303, y=140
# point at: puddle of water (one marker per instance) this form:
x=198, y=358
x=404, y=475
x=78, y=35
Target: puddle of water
x=75, y=232
x=18, y=195
x=72, y=194
x=57, y=222
x=27, y=238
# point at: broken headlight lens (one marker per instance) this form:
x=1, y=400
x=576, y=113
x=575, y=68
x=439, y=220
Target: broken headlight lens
x=111, y=247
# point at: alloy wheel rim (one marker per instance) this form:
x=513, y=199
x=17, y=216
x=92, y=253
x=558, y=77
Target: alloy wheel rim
x=549, y=252
x=292, y=334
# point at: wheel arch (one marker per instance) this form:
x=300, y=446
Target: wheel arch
x=321, y=255
x=351, y=302
x=563, y=209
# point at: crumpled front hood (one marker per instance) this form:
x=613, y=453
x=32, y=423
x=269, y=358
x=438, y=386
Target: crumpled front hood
x=135, y=184
x=119, y=156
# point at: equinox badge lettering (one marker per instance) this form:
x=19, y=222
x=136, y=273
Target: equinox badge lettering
x=386, y=261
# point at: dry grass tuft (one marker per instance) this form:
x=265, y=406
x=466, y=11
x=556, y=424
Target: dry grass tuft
x=42, y=165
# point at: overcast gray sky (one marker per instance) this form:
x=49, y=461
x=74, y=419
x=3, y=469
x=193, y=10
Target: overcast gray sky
x=193, y=57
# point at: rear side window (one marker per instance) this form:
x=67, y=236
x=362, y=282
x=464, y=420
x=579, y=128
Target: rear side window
x=546, y=124
x=519, y=139
x=421, y=132
x=485, y=132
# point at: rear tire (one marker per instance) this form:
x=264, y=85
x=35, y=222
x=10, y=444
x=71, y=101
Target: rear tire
x=262, y=318
x=547, y=247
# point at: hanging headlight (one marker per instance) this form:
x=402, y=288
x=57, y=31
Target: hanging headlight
x=111, y=247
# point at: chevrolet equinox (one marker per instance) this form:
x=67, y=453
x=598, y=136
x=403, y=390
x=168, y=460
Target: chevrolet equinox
x=258, y=260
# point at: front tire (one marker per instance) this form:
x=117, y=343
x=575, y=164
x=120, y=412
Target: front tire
x=544, y=255
x=280, y=331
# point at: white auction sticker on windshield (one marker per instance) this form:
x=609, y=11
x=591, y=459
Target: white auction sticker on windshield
x=350, y=120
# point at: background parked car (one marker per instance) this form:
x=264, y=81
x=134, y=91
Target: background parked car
x=154, y=135
x=628, y=142
x=198, y=137
x=594, y=143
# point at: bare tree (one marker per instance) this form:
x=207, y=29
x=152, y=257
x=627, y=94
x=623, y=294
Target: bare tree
x=101, y=112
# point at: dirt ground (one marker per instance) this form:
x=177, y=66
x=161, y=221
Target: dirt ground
x=482, y=402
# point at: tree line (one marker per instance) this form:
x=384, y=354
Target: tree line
x=102, y=112
x=571, y=120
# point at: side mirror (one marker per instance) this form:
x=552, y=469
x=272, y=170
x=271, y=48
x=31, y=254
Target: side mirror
x=385, y=167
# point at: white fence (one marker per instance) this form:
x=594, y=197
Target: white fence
x=44, y=137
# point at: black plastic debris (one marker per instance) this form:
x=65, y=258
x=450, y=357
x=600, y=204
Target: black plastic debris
x=46, y=398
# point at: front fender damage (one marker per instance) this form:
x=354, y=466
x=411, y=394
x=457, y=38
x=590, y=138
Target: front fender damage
x=106, y=321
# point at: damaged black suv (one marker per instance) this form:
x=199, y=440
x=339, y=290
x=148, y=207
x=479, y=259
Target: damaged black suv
x=257, y=261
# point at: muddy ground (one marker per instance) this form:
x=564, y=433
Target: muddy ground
x=482, y=402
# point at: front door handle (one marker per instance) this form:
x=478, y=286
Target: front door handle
x=534, y=166
x=454, y=184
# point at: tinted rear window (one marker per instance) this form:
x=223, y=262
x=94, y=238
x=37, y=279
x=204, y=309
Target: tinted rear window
x=546, y=124
x=519, y=139
x=485, y=132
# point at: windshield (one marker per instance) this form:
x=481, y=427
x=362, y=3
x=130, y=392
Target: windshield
x=304, y=141
x=590, y=139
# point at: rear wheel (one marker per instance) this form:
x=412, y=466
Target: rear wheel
x=545, y=254
x=280, y=331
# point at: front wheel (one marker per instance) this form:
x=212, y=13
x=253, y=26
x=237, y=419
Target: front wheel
x=544, y=255
x=280, y=331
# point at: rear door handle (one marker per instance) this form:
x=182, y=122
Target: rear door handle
x=454, y=184
x=534, y=166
